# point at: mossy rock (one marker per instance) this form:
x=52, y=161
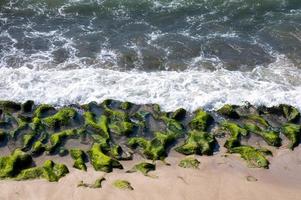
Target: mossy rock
x=143, y=167
x=27, y=106
x=189, y=162
x=100, y=126
x=126, y=105
x=154, y=149
x=229, y=111
x=54, y=171
x=292, y=132
x=10, y=166
x=235, y=134
x=57, y=139
x=122, y=128
x=179, y=114
x=198, y=142
x=173, y=126
x=42, y=110
x=257, y=120
x=123, y=185
x=100, y=161
x=290, y=113
x=28, y=139
x=79, y=157
x=254, y=157
x=38, y=147
x=62, y=118
x=270, y=137
x=96, y=184
x=201, y=120
x=10, y=106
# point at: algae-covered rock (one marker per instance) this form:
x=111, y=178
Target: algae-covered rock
x=38, y=147
x=292, y=132
x=228, y=111
x=179, y=114
x=235, y=133
x=154, y=149
x=121, y=127
x=189, y=162
x=54, y=171
x=62, y=118
x=201, y=120
x=96, y=184
x=254, y=157
x=270, y=137
x=27, y=106
x=123, y=185
x=10, y=166
x=79, y=156
x=101, y=161
x=10, y=106
x=143, y=167
x=198, y=142
x=28, y=140
x=100, y=126
x=42, y=109
x=290, y=113
x=57, y=139
x=173, y=126
x=126, y=105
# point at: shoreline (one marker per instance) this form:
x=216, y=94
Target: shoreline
x=217, y=178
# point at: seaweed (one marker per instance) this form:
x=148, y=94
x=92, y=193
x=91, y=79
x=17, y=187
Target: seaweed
x=292, y=132
x=143, y=167
x=122, y=184
x=61, y=118
x=189, y=162
x=201, y=120
x=236, y=132
x=229, y=111
x=198, y=142
x=79, y=157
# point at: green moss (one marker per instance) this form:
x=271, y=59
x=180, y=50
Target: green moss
x=22, y=126
x=115, y=115
x=236, y=132
x=31, y=173
x=173, y=126
x=143, y=167
x=122, y=128
x=228, y=111
x=179, y=114
x=10, y=166
x=38, y=147
x=61, y=118
x=100, y=127
x=28, y=140
x=257, y=120
x=189, y=162
x=42, y=109
x=154, y=149
x=270, y=137
x=54, y=171
x=254, y=157
x=100, y=161
x=10, y=106
x=126, y=105
x=198, y=142
x=291, y=113
x=201, y=120
x=57, y=139
x=79, y=156
x=123, y=185
x=96, y=184
x=292, y=132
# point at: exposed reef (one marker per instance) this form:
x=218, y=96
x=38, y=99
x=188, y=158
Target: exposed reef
x=108, y=132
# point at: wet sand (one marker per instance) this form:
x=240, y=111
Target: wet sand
x=218, y=178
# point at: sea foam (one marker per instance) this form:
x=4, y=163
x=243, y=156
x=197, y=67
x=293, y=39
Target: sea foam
x=275, y=84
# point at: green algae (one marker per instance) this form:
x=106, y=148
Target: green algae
x=189, y=162
x=122, y=128
x=173, y=126
x=122, y=184
x=292, y=132
x=236, y=132
x=100, y=127
x=38, y=147
x=54, y=171
x=156, y=148
x=10, y=166
x=28, y=140
x=96, y=184
x=61, y=118
x=228, y=111
x=100, y=161
x=270, y=137
x=57, y=139
x=42, y=109
x=126, y=105
x=198, y=142
x=143, y=167
x=201, y=120
x=79, y=157
x=254, y=157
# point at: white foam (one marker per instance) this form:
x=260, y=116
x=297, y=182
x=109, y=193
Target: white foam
x=278, y=83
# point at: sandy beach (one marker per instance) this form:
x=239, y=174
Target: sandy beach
x=217, y=178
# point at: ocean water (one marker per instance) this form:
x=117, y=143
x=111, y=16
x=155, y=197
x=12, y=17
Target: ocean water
x=177, y=53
